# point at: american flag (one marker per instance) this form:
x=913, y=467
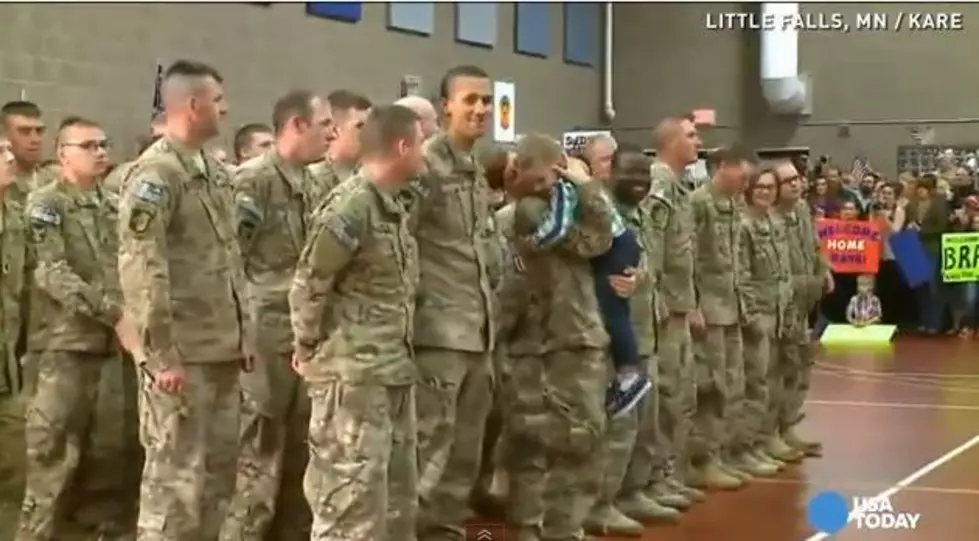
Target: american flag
x=157, y=92
x=860, y=168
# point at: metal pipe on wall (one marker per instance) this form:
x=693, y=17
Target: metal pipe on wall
x=779, y=45
x=607, y=67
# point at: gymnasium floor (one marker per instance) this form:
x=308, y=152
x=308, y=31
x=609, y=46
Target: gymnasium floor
x=904, y=422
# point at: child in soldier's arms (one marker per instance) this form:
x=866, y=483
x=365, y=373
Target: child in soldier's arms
x=864, y=307
x=552, y=213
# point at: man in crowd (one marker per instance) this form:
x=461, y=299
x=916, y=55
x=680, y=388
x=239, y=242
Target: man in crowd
x=716, y=208
x=676, y=142
x=425, y=111
x=454, y=324
x=182, y=282
x=597, y=153
x=811, y=278
x=347, y=110
x=75, y=311
x=361, y=264
x=251, y=141
x=272, y=210
x=25, y=131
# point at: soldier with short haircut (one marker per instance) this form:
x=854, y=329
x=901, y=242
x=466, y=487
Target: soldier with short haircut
x=347, y=111
x=181, y=278
x=76, y=318
x=251, y=141
x=24, y=127
x=361, y=264
x=272, y=210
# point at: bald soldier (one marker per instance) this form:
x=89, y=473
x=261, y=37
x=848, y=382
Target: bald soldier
x=76, y=318
x=810, y=277
x=718, y=457
x=347, y=113
x=676, y=142
x=13, y=338
x=272, y=210
x=361, y=263
x=181, y=278
x=425, y=111
x=454, y=328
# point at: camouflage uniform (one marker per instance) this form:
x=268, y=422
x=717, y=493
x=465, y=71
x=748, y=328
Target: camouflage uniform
x=720, y=365
x=764, y=288
x=454, y=334
x=323, y=177
x=570, y=432
x=672, y=220
x=13, y=325
x=75, y=304
x=796, y=352
x=181, y=278
x=115, y=180
x=361, y=263
x=272, y=210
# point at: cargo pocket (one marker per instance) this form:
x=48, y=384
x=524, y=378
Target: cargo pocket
x=564, y=431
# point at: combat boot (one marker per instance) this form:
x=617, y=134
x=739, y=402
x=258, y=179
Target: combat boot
x=746, y=462
x=808, y=448
x=777, y=448
x=646, y=510
x=760, y=455
x=685, y=490
x=606, y=519
x=713, y=476
x=732, y=469
x=666, y=495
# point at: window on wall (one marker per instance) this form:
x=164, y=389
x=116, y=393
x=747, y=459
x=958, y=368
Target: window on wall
x=582, y=21
x=532, y=28
x=350, y=12
x=412, y=17
x=476, y=23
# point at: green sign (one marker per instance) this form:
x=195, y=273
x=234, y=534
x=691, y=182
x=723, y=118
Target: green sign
x=960, y=257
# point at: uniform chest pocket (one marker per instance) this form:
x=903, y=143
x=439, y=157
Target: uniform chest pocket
x=209, y=209
x=455, y=208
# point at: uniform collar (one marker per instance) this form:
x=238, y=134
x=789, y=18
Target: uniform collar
x=463, y=160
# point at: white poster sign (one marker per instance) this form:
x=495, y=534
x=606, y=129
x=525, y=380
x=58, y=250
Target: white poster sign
x=504, y=112
x=575, y=140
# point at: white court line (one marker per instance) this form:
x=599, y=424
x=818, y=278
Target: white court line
x=920, y=384
x=906, y=405
x=903, y=483
x=928, y=375
x=864, y=487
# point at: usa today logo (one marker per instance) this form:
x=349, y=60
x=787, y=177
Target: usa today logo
x=829, y=512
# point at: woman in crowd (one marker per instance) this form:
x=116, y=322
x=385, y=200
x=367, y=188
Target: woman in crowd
x=824, y=198
x=928, y=213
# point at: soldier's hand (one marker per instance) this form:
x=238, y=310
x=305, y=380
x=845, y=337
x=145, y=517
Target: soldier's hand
x=126, y=334
x=696, y=321
x=171, y=380
x=624, y=284
x=829, y=285
x=298, y=363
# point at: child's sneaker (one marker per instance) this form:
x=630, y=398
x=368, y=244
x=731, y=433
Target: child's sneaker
x=624, y=394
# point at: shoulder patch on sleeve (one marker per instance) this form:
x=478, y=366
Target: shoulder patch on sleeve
x=345, y=230
x=44, y=215
x=148, y=189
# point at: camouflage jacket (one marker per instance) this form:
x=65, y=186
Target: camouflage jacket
x=643, y=301
x=763, y=269
x=75, y=295
x=805, y=260
x=676, y=286
x=179, y=264
x=323, y=177
x=717, y=228
x=361, y=264
x=272, y=211
x=14, y=263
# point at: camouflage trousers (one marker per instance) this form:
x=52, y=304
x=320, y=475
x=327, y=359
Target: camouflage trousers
x=191, y=445
x=361, y=479
x=269, y=501
x=720, y=390
x=495, y=437
x=676, y=387
x=455, y=397
x=761, y=380
x=556, y=453
x=12, y=458
x=641, y=463
x=82, y=462
x=793, y=372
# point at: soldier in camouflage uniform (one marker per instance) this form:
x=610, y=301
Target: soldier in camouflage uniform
x=454, y=328
x=677, y=144
x=361, y=264
x=272, y=209
x=76, y=313
x=810, y=278
x=347, y=111
x=716, y=208
x=623, y=506
x=182, y=282
x=763, y=284
x=13, y=326
x=25, y=133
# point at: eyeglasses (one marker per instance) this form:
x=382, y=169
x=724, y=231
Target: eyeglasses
x=787, y=180
x=90, y=146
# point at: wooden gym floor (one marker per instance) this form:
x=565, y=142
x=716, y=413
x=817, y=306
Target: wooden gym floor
x=902, y=422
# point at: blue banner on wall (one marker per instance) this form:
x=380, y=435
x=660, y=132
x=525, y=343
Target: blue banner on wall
x=350, y=12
